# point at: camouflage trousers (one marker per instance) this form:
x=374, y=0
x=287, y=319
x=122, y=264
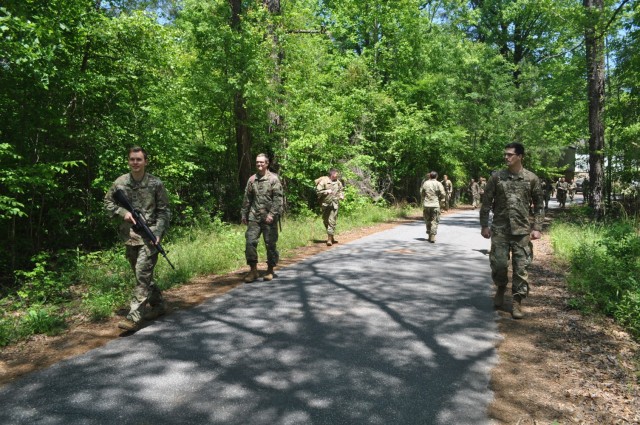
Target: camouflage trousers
x=329, y=218
x=476, y=201
x=431, y=218
x=447, y=201
x=520, y=250
x=269, y=234
x=143, y=259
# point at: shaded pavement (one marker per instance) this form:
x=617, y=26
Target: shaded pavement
x=387, y=329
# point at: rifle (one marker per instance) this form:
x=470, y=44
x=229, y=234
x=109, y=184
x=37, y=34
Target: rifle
x=141, y=224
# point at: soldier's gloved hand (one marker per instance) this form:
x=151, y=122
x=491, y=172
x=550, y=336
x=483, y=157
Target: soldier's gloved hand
x=244, y=220
x=269, y=219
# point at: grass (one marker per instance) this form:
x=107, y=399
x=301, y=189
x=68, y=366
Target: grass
x=604, y=262
x=104, y=279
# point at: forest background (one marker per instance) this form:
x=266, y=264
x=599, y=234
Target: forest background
x=383, y=90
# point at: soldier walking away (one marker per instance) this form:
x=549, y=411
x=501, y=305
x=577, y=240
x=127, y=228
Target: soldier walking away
x=474, y=188
x=482, y=184
x=148, y=195
x=330, y=192
x=510, y=192
x=448, y=192
x=571, y=190
x=561, y=192
x=433, y=195
x=261, y=209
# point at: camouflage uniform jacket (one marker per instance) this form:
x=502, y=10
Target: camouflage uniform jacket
x=482, y=186
x=510, y=195
x=475, y=189
x=149, y=197
x=562, y=186
x=329, y=192
x=432, y=193
x=262, y=197
x=448, y=186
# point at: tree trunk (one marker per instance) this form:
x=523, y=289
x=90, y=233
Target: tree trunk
x=277, y=56
x=594, y=41
x=243, y=135
x=243, y=140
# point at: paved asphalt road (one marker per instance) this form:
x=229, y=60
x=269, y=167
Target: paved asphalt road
x=388, y=329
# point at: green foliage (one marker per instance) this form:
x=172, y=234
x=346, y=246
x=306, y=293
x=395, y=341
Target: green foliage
x=37, y=319
x=40, y=285
x=107, y=279
x=40, y=320
x=605, y=267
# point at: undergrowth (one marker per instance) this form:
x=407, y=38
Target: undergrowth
x=604, y=260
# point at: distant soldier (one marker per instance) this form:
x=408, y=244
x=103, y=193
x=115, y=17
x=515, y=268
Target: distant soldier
x=482, y=184
x=433, y=195
x=148, y=195
x=510, y=192
x=571, y=189
x=561, y=189
x=448, y=192
x=474, y=189
x=261, y=209
x=330, y=192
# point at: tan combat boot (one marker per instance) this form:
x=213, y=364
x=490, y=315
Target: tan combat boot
x=155, y=311
x=516, y=310
x=432, y=238
x=128, y=325
x=498, y=298
x=252, y=276
x=329, y=240
x=269, y=276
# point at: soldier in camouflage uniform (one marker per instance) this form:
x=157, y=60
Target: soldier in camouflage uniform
x=433, y=195
x=510, y=192
x=448, y=192
x=261, y=209
x=571, y=189
x=474, y=188
x=148, y=195
x=561, y=188
x=482, y=184
x=330, y=192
